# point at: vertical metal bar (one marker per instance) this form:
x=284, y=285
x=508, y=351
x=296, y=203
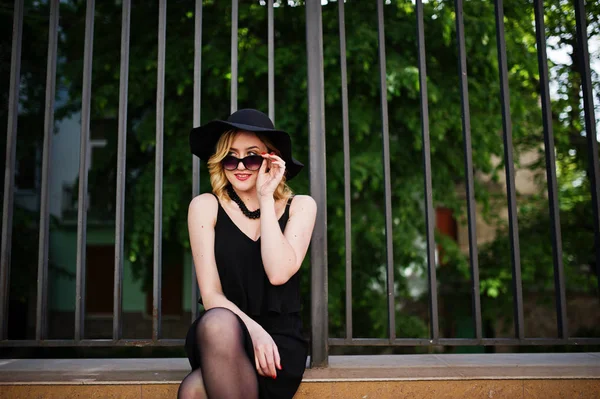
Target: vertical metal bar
x=510, y=172
x=271, y=56
x=347, y=198
x=429, y=213
x=559, y=279
x=158, y=174
x=83, y=171
x=590, y=123
x=318, y=185
x=195, y=159
x=42, y=280
x=121, y=172
x=466, y=126
x=11, y=160
x=234, y=55
x=385, y=136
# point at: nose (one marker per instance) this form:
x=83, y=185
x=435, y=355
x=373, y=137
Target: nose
x=241, y=163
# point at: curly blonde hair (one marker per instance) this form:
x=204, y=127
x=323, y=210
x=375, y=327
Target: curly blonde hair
x=219, y=181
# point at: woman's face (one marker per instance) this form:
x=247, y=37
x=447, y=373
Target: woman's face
x=244, y=144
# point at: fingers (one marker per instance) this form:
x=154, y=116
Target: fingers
x=277, y=171
x=271, y=362
x=263, y=166
x=264, y=365
x=266, y=358
x=276, y=357
x=271, y=173
x=276, y=165
x=258, y=367
x=275, y=159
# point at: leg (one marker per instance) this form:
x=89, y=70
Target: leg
x=192, y=386
x=227, y=372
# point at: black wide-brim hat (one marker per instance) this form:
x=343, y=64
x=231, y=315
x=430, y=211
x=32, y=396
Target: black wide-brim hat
x=203, y=139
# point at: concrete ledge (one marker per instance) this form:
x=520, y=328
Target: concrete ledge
x=547, y=376
x=459, y=367
x=341, y=368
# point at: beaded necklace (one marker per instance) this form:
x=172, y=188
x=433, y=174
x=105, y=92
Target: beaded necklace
x=236, y=198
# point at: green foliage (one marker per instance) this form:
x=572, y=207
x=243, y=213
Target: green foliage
x=574, y=200
x=368, y=219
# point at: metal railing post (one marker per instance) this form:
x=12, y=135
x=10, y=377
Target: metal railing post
x=158, y=172
x=195, y=159
x=434, y=324
x=11, y=160
x=316, y=135
x=44, y=227
x=82, y=199
x=469, y=178
x=509, y=165
x=590, y=124
x=121, y=172
x=549, y=148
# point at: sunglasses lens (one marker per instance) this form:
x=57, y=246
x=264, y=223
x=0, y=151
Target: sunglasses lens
x=253, y=162
x=230, y=162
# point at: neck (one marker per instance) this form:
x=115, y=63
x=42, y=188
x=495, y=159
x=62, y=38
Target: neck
x=250, y=198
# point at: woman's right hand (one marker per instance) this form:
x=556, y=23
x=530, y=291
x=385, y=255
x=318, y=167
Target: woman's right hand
x=266, y=354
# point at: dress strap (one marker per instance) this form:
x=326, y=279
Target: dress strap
x=217, y=198
x=219, y=207
x=289, y=202
x=286, y=213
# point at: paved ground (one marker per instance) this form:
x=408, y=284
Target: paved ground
x=341, y=368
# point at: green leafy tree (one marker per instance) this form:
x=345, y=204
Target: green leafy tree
x=368, y=216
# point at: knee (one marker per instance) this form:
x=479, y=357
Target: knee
x=192, y=387
x=218, y=324
x=190, y=391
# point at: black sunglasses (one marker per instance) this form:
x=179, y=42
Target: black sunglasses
x=251, y=162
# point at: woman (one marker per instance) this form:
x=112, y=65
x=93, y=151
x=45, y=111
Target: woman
x=248, y=343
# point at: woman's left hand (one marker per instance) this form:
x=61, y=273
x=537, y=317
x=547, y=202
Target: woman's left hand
x=268, y=180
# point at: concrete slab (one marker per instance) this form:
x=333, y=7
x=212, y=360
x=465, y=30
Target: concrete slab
x=341, y=368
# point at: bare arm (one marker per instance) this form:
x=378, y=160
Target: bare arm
x=283, y=253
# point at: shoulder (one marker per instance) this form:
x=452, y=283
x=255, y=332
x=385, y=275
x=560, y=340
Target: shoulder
x=303, y=204
x=204, y=206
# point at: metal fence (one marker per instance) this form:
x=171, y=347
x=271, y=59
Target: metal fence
x=316, y=118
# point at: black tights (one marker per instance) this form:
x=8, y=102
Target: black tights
x=225, y=370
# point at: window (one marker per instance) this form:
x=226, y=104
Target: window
x=99, y=279
x=27, y=170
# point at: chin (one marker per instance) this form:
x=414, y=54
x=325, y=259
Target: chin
x=242, y=186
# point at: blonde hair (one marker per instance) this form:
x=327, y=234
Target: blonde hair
x=219, y=181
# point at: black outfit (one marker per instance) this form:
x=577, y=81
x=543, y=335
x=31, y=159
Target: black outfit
x=275, y=308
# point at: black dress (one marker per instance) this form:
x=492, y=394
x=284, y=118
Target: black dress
x=275, y=308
